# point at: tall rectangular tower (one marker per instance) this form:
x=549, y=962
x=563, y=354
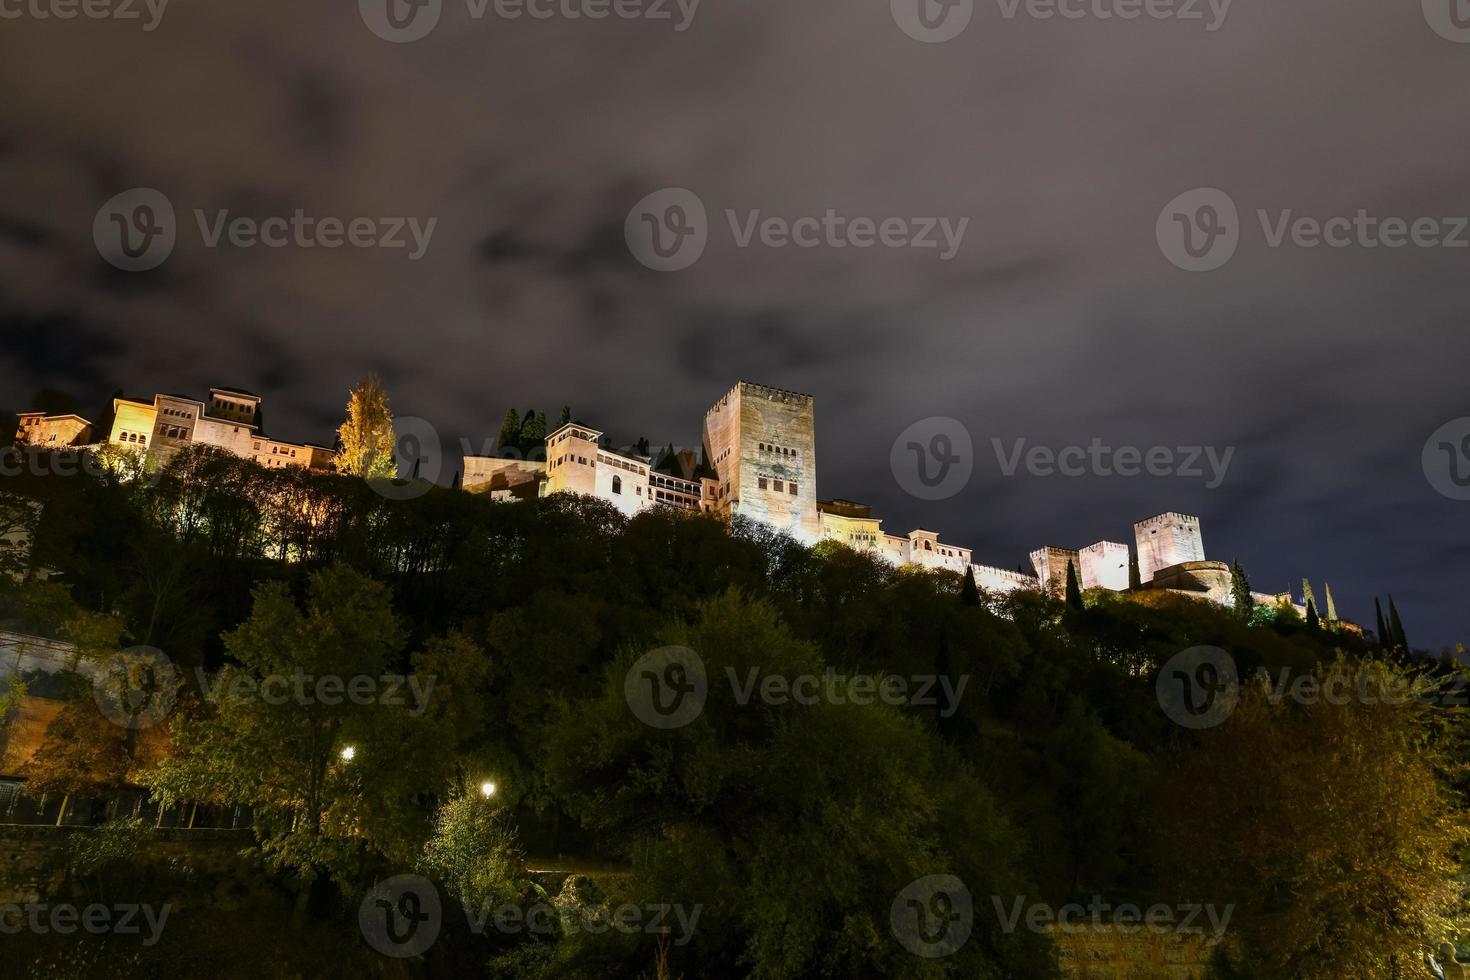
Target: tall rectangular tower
x=1165, y=540
x=762, y=444
x=1105, y=566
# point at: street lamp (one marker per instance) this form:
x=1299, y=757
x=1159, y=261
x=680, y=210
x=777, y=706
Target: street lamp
x=487, y=789
x=348, y=753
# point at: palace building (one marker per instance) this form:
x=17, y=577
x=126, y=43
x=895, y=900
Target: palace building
x=758, y=461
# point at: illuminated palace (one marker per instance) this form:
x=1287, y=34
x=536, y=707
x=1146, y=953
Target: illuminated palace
x=758, y=461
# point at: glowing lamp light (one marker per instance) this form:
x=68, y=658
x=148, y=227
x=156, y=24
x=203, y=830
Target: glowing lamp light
x=348, y=753
x=487, y=790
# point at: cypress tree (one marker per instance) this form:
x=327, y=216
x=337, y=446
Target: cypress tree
x=1331, y=606
x=1313, y=622
x=565, y=416
x=970, y=593
x=1396, y=626
x=1135, y=581
x=1074, y=588
x=1384, y=640
x=533, y=430
x=1240, y=593
x=1309, y=597
x=510, y=431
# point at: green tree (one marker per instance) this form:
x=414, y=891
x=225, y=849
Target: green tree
x=969, y=592
x=82, y=754
x=1339, y=852
x=366, y=437
x=533, y=430
x=1074, y=588
x=474, y=851
x=1331, y=606
x=1313, y=623
x=564, y=417
x=794, y=825
x=327, y=774
x=1385, y=638
x=1241, y=600
x=510, y=432
x=1309, y=598
x=1396, y=626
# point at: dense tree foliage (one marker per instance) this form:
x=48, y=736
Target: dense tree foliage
x=1042, y=767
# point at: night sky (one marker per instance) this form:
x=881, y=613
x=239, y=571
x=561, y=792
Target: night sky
x=1060, y=319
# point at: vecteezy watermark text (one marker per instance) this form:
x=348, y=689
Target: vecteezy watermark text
x=405, y=21
x=859, y=689
x=1100, y=459
x=937, y=21
x=669, y=230
x=669, y=687
x=1160, y=920
x=545, y=919
x=1201, y=229
x=1200, y=688
x=330, y=690
x=124, y=919
x=124, y=10
x=402, y=916
x=137, y=230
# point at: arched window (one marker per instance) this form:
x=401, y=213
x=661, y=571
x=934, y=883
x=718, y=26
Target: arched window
x=617, y=484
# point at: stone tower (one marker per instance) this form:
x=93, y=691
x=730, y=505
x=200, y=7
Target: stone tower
x=1051, y=568
x=1166, y=540
x=1105, y=566
x=761, y=443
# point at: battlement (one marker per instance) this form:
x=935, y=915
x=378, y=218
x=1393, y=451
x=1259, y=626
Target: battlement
x=761, y=391
x=1165, y=540
x=1166, y=517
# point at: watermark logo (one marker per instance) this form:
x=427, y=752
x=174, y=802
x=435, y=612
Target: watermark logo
x=932, y=21
x=136, y=688
x=667, y=688
x=1446, y=459
x=1199, y=230
x=418, y=455
x=1450, y=19
x=933, y=916
x=933, y=459
x=1208, y=464
x=90, y=9
x=401, y=916
x=401, y=21
x=668, y=230
x=136, y=230
x=1198, y=688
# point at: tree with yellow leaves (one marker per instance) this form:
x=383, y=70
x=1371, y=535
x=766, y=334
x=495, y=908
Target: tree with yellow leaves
x=1326, y=813
x=366, y=437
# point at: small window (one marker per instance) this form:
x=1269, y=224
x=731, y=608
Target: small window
x=777, y=485
x=617, y=484
x=792, y=488
x=761, y=481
